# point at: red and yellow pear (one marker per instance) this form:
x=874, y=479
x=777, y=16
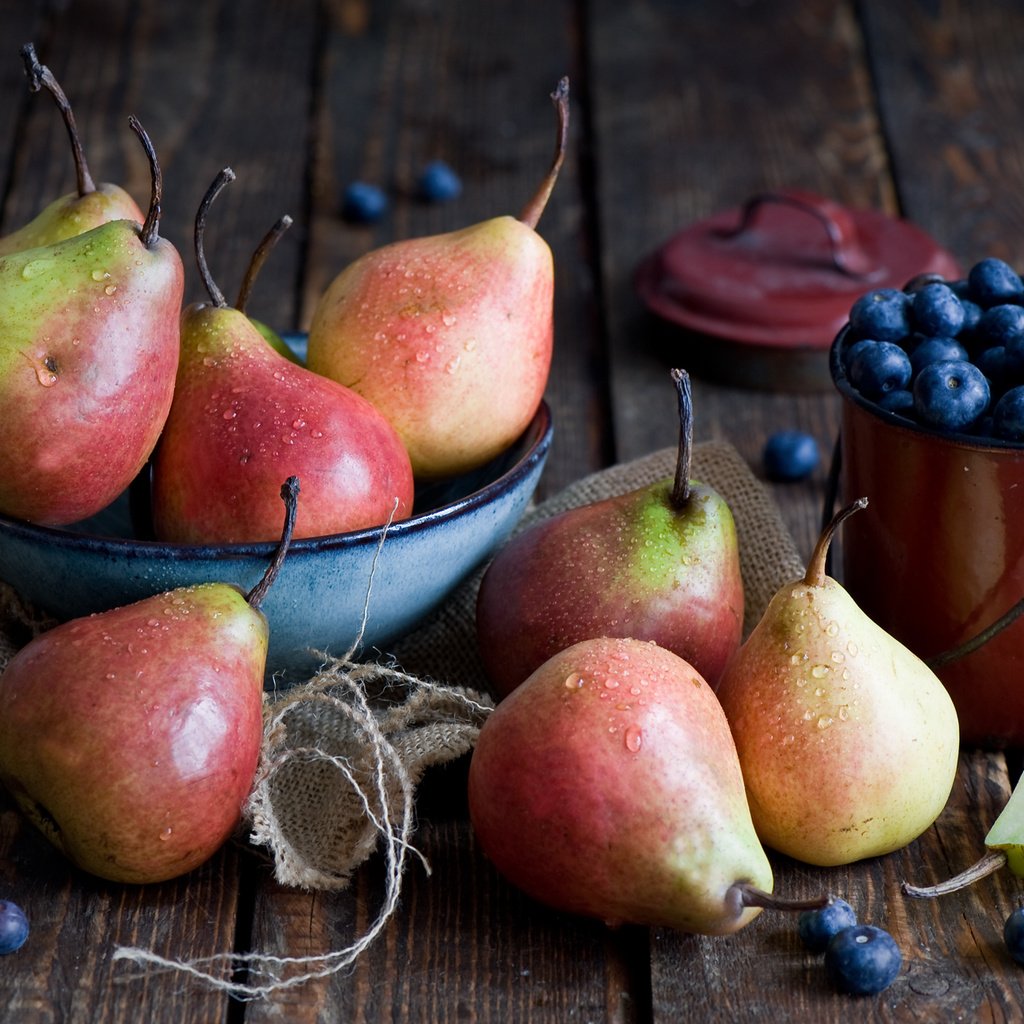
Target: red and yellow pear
x=450, y=335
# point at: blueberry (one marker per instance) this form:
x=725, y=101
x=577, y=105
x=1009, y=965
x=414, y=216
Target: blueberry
x=937, y=311
x=363, y=203
x=862, y=960
x=1008, y=415
x=1001, y=325
x=13, y=927
x=875, y=367
x=1013, y=934
x=992, y=281
x=790, y=455
x=998, y=365
x=438, y=182
x=934, y=350
x=882, y=314
x=950, y=395
x=818, y=926
x=900, y=401
x=972, y=314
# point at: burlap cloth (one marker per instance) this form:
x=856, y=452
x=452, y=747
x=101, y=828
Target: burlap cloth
x=343, y=753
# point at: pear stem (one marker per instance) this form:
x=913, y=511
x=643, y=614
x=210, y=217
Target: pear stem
x=815, y=575
x=151, y=225
x=990, y=863
x=535, y=207
x=224, y=176
x=290, y=496
x=259, y=257
x=681, y=485
x=39, y=75
x=743, y=895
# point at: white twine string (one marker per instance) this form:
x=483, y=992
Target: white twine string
x=340, y=686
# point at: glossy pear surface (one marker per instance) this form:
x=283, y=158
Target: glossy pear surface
x=130, y=737
x=71, y=215
x=632, y=565
x=243, y=419
x=848, y=741
x=450, y=336
x=88, y=355
x=607, y=785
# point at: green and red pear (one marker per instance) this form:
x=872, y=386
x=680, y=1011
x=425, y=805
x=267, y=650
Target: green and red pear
x=659, y=563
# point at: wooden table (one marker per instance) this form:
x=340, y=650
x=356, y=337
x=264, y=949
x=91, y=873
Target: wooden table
x=679, y=109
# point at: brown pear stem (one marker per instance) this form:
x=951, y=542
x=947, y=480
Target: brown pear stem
x=535, y=207
x=681, y=485
x=224, y=176
x=259, y=257
x=815, y=575
x=990, y=863
x=151, y=225
x=290, y=496
x=741, y=895
x=39, y=76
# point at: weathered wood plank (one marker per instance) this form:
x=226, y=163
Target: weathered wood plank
x=950, y=93
x=65, y=971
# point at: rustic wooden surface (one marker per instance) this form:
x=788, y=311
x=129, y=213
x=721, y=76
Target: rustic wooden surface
x=679, y=109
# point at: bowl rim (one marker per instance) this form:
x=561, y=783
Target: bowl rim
x=955, y=439
x=537, y=435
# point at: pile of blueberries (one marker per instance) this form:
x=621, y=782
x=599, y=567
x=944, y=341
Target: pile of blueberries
x=948, y=355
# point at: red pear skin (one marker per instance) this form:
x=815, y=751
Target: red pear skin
x=131, y=737
x=631, y=565
x=449, y=336
x=243, y=418
x=608, y=785
x=88, y=355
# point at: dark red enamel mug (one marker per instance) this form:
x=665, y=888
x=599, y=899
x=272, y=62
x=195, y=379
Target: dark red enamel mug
x=937, y=557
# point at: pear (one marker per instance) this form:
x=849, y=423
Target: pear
x=87, y=207
x=244, y=416
x=607, y=785
x=657, y=563
x=88, y=355
x=130, y=737
x=450, y=335
x=847, y=740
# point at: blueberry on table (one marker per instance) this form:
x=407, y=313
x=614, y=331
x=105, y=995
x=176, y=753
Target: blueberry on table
x=816, y=927
x=790, y=455
x=862, y=960
x=937, y=311
x=875, y=367
x=438, y=182
x=936, y=350
x=363, y=203
x=882, y=314
x=1008, y=415
x=950, y=395
x=992, y=281
x=13, y=927
x=1013, y=935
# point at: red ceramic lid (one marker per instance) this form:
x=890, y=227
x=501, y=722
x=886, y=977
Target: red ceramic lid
x=784, y=269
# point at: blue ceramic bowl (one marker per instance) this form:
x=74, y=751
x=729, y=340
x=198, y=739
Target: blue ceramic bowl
x=317, y=602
